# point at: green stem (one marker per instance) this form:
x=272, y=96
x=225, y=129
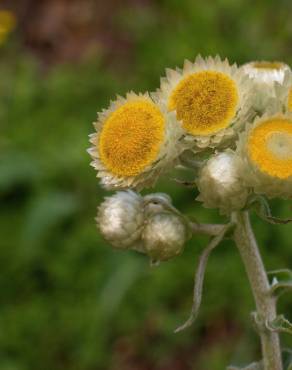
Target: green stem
x=206, y=229
x=265, y=302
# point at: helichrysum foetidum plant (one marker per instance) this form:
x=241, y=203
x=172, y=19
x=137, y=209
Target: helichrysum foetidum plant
x=232, y=128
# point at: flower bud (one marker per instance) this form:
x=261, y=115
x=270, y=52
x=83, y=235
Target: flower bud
x=164, y=236
x=220, y=185
x=156, y=203
x=120, y=219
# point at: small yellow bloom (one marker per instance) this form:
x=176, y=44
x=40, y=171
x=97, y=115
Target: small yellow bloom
x=270, y=147
x=131, y=137
x=205, y=102
x=264, y=155
x=211, y=100
x=136, y=140
x=7, y=24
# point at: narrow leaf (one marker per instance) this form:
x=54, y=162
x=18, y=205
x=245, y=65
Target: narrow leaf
x=282, y=281
x=263, y=210
x=281, y=287
x=280, y=324
x=253, y=366
x=187, y=184
x=199, y=278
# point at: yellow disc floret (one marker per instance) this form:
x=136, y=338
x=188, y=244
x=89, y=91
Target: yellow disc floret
x=270, y=147
x=205, y=102
x=131, y=137
x=268, y=65
x=290, y=99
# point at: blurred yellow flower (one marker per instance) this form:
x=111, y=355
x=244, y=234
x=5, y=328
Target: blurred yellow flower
x=7, y=24
x=290, y=100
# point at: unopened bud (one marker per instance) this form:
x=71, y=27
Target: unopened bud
x=220, y=184
x=156, y=203
x=120, y=219
x=164, y=236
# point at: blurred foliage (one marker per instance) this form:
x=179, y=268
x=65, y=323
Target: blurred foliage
x=68, y=301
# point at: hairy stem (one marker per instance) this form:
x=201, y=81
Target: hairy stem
x=265, y=302
x=206, y=229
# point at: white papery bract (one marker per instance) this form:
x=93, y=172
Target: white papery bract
x=120, y=219
x=266, y=72
x=135, y=141
x=164, y=236
x=220, y=184
x=284, y=93
x=265, y=76
x=211, y=99
x=264, y=156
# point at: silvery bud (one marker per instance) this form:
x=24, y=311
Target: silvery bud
x=156, y=202
x=120, y=219
x=164, y=236
x=220, y=184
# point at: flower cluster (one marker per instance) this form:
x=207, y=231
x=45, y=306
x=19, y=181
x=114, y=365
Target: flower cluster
x=148, y=224
x=235, y=124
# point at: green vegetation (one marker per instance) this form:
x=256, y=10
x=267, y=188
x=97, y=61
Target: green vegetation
x=70, y=302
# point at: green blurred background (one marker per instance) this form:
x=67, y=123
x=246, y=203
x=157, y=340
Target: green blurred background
x=67, y=300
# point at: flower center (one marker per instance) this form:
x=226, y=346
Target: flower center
x=270, y=147
x=268, y=65
x=205, y=101
x=290, y=100
x=131, y=137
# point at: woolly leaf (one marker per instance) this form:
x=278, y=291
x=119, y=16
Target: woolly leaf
x=280, y=324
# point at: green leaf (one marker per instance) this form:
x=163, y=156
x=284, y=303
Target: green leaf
x=18, y=168
x=282, y=281
x=279, y=288
x=117, y=286
x=262, y=208
x=47, y=211
x=287, y=358
x=253, y=366
x=199, y=277
x=280, y=324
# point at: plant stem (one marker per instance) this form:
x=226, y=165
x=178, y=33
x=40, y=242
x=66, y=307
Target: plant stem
x=265, y=302
x=206, y=229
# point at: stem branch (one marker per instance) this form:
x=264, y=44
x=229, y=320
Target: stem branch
x=206, y=229
x=265, y=302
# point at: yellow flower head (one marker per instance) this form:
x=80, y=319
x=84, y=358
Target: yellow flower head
x=270, y=147
x=135, y=136
x=265, y=152
x=209, y=97
x=205, y=102
x=131, y=137
x=7, y=24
